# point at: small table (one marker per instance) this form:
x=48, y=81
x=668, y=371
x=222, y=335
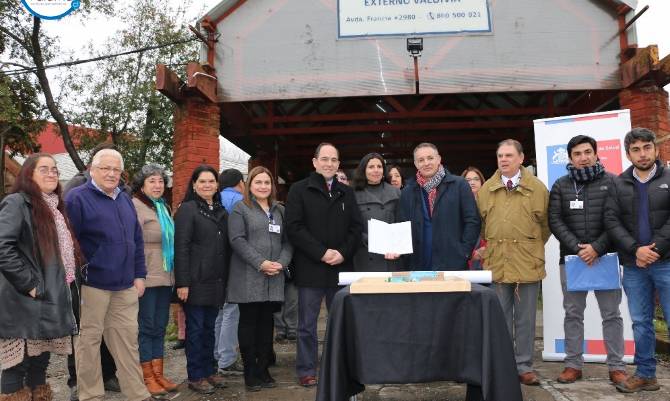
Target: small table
x=418, y=338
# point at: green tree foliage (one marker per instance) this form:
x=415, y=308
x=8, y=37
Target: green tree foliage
x=23, y=41
x=19, y=111
x=120, y=100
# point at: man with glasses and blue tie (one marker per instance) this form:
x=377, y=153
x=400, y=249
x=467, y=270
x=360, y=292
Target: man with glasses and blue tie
x=513, y=205
x=105, y=223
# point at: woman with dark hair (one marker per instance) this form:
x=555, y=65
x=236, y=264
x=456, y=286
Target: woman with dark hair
x=395, y=177
x=261, y=253
x=378, y=200
x=38, y=258
x=475, y=179
x=155, y=218
x=201, y=259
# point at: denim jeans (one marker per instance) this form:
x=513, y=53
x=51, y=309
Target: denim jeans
x=200, y=341
x=225, y=329
x=153, y=319
x=309, y=306
x=639, y=285
x=32, y=371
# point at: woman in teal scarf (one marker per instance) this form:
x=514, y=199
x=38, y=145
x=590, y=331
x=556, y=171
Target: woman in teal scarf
x=157, y=225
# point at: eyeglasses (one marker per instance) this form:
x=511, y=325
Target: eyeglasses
x=46, y=171
x=108, y=170
x=342, y=178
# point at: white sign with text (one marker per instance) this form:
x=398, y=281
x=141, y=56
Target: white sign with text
x=362, y=18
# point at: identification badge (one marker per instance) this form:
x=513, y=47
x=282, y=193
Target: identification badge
x=576, y=204
x=275, y=228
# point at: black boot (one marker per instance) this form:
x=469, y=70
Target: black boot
x=264, y=361
x=251, y=380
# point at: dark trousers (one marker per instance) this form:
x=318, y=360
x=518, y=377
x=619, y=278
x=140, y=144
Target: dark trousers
x=153, y=319
x=254, y=333
x=31, y=372
x=200, y=340
x=106, y=360
x=309, y=306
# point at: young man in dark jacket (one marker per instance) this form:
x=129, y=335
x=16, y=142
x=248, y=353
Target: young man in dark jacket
x=324, y=225
x=576, y=218
x=637, y=218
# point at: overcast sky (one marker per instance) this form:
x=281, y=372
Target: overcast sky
x=652, y=28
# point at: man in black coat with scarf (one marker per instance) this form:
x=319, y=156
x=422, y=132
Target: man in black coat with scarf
x=324, y=226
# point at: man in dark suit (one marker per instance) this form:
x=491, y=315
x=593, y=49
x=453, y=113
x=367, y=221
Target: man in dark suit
x=324, y=226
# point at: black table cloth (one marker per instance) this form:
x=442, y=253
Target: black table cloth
x=418, y=338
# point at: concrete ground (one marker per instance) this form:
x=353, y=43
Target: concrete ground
x=594, y=387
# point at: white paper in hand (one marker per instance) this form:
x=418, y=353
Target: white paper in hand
x=386, y=238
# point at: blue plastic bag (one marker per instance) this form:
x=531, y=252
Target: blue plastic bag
x=604, y=274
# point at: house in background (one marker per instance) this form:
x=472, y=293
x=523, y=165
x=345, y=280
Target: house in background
x=50, y=141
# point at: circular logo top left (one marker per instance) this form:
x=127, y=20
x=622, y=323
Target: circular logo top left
x=50, y=9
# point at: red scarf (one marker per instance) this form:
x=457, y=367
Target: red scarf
x=430, y=186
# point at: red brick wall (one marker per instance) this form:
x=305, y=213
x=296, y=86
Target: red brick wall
x=196, y=141
x=649, y=109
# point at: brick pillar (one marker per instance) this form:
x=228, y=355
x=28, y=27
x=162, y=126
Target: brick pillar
x=649, y=109
x=196, y=141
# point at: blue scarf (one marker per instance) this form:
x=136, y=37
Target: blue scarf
x=167, y=233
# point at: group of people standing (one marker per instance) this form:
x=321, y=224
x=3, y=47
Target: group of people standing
x=108, y=260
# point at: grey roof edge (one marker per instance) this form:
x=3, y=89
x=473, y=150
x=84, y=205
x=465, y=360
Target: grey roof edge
x=218, y=10
x=630, y=3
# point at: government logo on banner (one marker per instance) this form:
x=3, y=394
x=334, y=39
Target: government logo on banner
x=609, y=153
x=50, y=9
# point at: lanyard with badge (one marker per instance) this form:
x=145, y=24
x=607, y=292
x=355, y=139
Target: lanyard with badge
x=577, y=204
x=272, y=227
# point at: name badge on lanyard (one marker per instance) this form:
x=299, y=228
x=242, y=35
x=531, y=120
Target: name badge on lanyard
x=274, y=228
x=577, y=204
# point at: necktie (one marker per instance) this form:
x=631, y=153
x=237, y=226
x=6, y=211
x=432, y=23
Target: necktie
x=510, y=186
x=329, y=184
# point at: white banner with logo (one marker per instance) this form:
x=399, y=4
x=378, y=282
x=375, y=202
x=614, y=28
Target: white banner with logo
x=551, y=139
x=363, y=18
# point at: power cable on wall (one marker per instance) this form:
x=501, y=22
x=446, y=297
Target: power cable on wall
x=90, y=60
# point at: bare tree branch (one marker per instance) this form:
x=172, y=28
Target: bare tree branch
x=38, y=59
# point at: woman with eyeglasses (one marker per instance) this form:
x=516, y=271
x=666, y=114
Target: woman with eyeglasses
x=475, y=179
x=157, y=225
x=378, y=200
x=38, y=259
x=201, y=260
x=261, y=253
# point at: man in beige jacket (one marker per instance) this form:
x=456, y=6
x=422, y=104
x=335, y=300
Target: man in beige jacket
x=513, y=206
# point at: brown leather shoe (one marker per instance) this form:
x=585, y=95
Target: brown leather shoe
x=569, y=375
x=529, y=379
x=43, y=393
x=634, y=384
x=618, y=376
x=22, y=395
x=307, y=381
x=216, y=380
x=201, y=386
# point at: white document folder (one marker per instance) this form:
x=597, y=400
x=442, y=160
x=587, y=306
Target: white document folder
x=386, y=238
